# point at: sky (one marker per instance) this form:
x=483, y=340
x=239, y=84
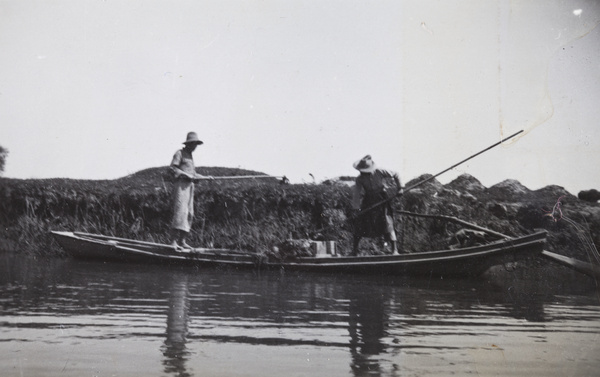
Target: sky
x=99, y=89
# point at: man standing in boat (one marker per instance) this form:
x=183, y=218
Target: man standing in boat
x=372, y=187
x=184, y=171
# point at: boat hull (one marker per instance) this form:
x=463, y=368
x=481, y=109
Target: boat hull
x=471, y=261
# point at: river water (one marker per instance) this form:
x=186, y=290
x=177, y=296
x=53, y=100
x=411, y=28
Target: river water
x=72, y=318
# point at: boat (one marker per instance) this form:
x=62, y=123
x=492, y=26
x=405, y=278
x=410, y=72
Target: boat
x=462, y=262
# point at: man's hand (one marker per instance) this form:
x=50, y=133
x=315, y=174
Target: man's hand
x=203, y=177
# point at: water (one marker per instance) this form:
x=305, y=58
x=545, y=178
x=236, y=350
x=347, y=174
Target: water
x=72, y=318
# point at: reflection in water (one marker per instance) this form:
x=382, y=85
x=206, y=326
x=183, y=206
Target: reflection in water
x=191, y=322
x=521, y=306
x=366, y=325
x=174, y=348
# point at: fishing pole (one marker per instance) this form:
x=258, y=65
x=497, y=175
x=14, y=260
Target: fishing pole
x=282, y=178
x=362, y=212
x=246, y=177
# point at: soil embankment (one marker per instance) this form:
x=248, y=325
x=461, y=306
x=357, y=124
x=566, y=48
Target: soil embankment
x=257, y=214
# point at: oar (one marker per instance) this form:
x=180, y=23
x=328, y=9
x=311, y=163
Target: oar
x=583, y=267
x=586, y=268
x=577, y=265
x=456, y=220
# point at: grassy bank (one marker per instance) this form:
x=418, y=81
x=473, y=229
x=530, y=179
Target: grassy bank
x=248, y=214
x=257, y=214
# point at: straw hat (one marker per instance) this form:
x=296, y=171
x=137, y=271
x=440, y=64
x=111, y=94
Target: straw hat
x=192, y=138
x=365, y=165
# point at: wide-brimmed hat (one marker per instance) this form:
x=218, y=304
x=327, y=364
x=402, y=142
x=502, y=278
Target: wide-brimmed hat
x=365, y=165
x=192, y=138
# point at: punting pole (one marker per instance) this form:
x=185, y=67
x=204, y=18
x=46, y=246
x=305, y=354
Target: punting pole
x=438, y=174
x=246, y=177
x=282, y=179
x=424, y=181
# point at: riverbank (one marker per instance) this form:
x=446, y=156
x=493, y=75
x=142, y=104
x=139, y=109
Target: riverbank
x=257, y=214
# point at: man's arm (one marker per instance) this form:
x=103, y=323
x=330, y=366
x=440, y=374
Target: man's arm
x=394, y=175
x=358, y=193
x=178, y=173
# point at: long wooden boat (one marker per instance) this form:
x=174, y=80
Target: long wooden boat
x=469, y=261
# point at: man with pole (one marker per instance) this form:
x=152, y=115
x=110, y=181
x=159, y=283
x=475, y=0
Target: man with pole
x=184, y=171
x=373, y=186
x=366, y=210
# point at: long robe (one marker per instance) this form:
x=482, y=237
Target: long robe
x=182, y=167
